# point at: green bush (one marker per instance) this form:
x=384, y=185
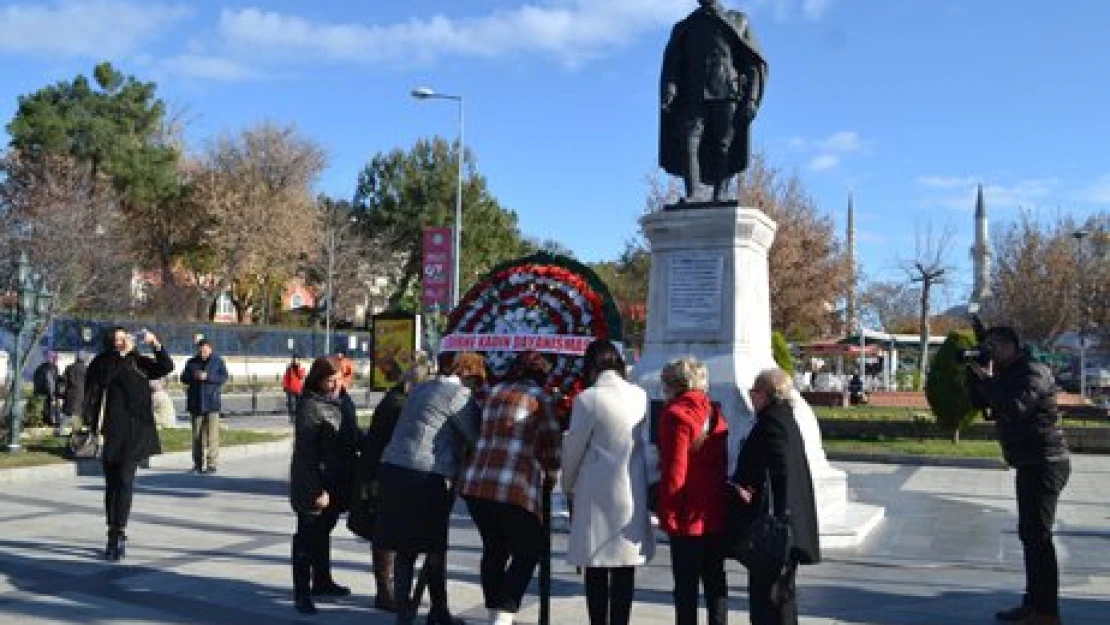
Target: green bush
x=946, y=386
x=781, y=351
x=32, y=412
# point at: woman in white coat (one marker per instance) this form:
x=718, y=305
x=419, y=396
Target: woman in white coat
x=605, y=478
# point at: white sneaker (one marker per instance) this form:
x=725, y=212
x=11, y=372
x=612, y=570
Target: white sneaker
x=497, y=617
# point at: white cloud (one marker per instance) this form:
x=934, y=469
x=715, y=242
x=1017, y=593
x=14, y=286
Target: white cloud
x=947, y=182
x=842, y=142
x=1098, y=192
x=99, y=28
x=209, y=67
x=570, y=31
x=815, y=9
x=958, y=193
x=824, y=162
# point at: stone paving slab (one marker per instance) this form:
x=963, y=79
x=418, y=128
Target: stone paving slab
x=215, y=549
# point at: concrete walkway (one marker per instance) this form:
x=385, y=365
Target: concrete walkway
x=215, y=549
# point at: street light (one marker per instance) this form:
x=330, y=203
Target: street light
x=30, y=307
x=1079, y=235
x=427, y=93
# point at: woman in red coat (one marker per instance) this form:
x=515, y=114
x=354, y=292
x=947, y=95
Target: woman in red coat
x=693, y=458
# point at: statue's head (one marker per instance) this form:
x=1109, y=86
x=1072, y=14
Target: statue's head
x=707, y=3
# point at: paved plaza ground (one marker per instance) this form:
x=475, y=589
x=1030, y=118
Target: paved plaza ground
x=215, y=549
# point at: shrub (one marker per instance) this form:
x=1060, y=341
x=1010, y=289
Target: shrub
x=781, y=351
x=32, y=412
x=946, y=386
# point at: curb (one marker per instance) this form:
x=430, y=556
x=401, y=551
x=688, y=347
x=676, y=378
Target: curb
x=172, y=460
x=924, y=461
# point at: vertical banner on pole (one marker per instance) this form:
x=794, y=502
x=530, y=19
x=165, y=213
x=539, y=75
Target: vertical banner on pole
x=438, y=267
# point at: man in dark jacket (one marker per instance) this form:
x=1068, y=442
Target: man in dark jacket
x=1020, y=395
x=73, y=390
x=204, y=375
x=45, y=381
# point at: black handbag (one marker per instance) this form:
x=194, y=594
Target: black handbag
x=86, y=444
x=363, y=509
x=759, y=540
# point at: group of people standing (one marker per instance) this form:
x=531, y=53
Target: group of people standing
x=436, y=438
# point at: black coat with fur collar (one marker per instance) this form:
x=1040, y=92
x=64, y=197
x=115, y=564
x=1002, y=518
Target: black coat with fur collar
x=129, y=430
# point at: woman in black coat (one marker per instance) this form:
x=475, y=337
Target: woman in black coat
x=321, y=479
x=118, y=382
x=775, y=454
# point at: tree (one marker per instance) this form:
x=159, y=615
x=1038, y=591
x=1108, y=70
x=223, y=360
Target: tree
x=50, y=209
x=946, y=388
x=928, y=268
x=401, y=193
x=257, y=190
x=891, y=306
x=808, y=268
x=1039, y=285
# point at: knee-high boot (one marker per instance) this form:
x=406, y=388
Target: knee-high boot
x=383, y=581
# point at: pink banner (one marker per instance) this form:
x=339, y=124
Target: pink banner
x=548, y=343
x=438, y=267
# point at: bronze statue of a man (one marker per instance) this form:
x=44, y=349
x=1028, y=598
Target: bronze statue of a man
x=712, y=84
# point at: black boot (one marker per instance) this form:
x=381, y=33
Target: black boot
x=116, y=548
x=302, y=572
x=435, y=571
x=403, y=569
x=303, y=604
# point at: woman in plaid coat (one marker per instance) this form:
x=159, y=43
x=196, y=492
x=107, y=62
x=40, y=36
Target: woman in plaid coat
x=517, y=452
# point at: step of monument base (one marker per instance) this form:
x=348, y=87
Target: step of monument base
x=848, y=528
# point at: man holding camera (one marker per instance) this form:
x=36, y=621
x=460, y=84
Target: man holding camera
x=1020, y=395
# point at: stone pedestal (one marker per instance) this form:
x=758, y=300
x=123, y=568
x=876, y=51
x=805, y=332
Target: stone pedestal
x=708, y=298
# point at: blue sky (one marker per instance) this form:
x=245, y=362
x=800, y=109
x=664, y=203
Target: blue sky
x=908, y=103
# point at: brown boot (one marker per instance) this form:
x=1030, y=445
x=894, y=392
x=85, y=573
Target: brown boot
x=383, y=580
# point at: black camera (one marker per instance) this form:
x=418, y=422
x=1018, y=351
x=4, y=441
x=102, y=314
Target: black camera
x=979, y=354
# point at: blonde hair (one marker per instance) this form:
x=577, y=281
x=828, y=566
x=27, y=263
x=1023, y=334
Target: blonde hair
x=775, y=382
x=685, y=374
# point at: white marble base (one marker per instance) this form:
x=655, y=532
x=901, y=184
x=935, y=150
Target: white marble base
x=735, y=341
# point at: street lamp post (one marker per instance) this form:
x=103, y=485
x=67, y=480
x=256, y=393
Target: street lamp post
x=32, y=301
x=1079, y=235
x=427, y=93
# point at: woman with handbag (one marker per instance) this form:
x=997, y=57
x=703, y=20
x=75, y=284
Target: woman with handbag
x=364, y=504
x=693, y=469
x=419, y=468
x=605, y=476
x=321, y=477
x=118, y=404
x=774, y=457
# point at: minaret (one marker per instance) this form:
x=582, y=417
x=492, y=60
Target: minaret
x=850, y=309
x=981, y=253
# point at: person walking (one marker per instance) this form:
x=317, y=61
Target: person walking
x=321, y=477
x=204, y=375
x=604, y=474
x=372, y=446
x=773, y=464
x=516, y=458
x=693, y=442
x=73, y=391
x=45, y=386
x=1020, y=396
x=292, y=382
x=117, y=402
x=419, y=467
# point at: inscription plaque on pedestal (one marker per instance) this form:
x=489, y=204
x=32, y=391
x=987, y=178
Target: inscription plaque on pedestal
x=695, y=285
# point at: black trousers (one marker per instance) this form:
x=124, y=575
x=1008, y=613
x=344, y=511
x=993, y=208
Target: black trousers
x=435, y=574
x=1038, y=492
x=312, y=550
x=609, y=594
x=699, y=559
x=119, y=488
x=512, y=543
x=771, y=600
